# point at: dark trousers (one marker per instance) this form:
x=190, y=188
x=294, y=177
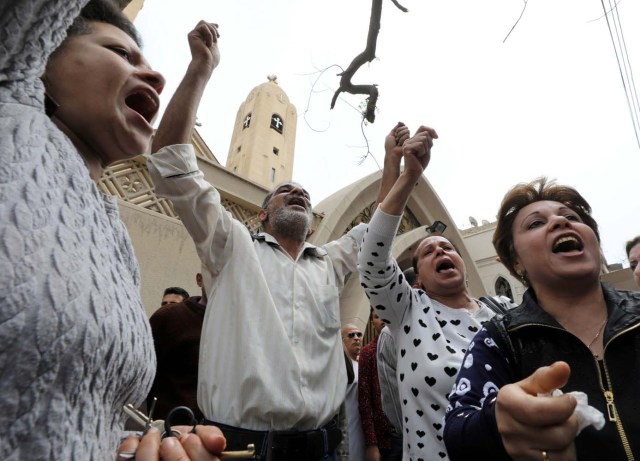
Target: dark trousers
x=313, y=445
x=395, y=452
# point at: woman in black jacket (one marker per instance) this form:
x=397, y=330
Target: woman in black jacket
x=571, y=333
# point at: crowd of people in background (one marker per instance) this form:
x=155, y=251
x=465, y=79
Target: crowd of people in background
x=260, y=359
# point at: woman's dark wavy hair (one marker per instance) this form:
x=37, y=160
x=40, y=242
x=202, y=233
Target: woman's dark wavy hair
x=524, y=194
x=103, y=11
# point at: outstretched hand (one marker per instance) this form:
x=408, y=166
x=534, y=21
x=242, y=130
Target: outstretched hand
x=203, y=43
x=530, y=423
x=417, y=150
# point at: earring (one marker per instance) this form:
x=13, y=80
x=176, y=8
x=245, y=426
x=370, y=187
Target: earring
x=523, y=276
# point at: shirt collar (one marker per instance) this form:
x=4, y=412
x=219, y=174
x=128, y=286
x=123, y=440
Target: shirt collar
x=308, y=248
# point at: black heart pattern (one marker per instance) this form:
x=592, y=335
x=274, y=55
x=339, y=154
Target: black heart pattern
x=451, y=371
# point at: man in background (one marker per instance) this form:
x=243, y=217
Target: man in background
x=173, y=295
x=352, y=340
x=176, y=329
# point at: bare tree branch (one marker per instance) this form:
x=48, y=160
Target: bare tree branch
x=514, y=26
x=367, y=55
x=400, y=7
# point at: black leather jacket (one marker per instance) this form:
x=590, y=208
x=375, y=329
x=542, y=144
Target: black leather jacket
x=612, y=385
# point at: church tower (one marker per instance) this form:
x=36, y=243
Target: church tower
x=264, y=136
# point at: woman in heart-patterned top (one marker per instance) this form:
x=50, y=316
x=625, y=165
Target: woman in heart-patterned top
x=433, y=323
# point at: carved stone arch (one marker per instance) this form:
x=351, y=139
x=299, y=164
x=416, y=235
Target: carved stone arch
x=344, y=208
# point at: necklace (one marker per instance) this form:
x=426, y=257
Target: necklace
x=600, y=328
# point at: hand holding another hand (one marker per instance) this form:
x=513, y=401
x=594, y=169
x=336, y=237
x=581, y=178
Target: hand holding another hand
x=394, y=140
x=417, y=149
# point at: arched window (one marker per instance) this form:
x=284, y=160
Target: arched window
x=277, y=123
x=503, y=288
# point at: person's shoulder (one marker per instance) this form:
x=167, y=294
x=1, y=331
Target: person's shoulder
x=168, y=310
x=627, y=300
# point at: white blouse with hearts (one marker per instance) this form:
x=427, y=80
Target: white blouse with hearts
x=431, y=339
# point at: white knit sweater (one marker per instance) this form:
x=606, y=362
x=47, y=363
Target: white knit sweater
x=75, y=344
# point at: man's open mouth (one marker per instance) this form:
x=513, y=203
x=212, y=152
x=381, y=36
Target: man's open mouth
x=297, y=201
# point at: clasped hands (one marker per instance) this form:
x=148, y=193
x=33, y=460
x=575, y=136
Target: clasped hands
x=416, y=149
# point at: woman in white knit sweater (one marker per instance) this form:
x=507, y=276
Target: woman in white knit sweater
x=76, y=345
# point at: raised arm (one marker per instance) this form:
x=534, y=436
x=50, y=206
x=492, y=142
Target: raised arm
x=179, y=118
x=417, y=153
x=380, y=275
x=392, y=158
x=173, y=165
x=29, y=33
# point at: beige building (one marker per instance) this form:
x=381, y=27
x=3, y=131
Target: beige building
x=264, y=136
x=496, y=279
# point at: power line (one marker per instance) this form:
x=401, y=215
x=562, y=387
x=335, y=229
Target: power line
x=620, y=49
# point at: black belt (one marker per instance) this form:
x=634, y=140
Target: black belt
x=283, y=445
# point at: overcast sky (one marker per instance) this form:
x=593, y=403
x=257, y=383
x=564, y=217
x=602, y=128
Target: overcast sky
x=548, y=101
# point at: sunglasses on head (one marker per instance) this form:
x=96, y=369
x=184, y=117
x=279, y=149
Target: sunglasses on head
x=354, y=334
